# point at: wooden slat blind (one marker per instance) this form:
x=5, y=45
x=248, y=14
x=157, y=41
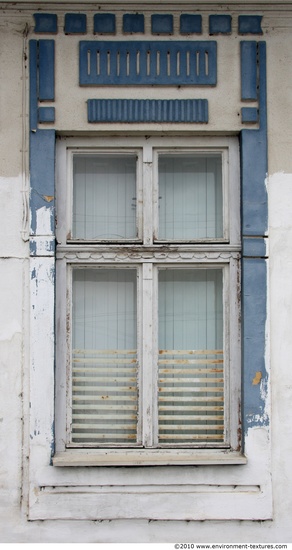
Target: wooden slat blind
x=191, y=396
x=104, y=397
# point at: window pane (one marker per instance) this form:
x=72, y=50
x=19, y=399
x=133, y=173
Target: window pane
x=104, y=197
x=190, y=363
x=190, y=197
x=104, y=357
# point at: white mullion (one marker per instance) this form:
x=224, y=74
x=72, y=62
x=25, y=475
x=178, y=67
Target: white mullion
x=147, y=354
x=147, y=195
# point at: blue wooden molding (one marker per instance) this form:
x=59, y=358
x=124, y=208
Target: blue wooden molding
x=250, y=24
x=133, y=22
x=42, y=177
x=104, y=23
x=75, y=23
x=162, y=23
x=42, y=81
x=148, y=63
x=220, y=24
x=45, y=23
x=147, y=110
x=254, y=220
x=190, y=23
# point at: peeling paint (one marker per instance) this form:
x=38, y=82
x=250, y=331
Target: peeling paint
x=257, y=378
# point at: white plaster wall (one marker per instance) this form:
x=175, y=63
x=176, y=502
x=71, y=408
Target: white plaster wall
x=14, y=288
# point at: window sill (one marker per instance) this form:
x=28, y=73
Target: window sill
x=155, y=457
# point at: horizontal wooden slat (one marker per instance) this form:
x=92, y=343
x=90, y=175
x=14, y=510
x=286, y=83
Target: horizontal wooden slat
x=104, y=388
x=78, y=435
x=191, y=428
x=104, y=398
x=108, y=427
x=186, y=399
x=190, y=361
x=194, y=418
x=194, y=389
x=189, y=408
x=190, y=352
x=107, y=406
x=201, y=380
x=99, y=379
x=104, y=361
x=205, y=371
x=104, y=351
x=119, y=416
x=193, y=437
x=119, y=370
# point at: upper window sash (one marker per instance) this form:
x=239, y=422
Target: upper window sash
x=148, y=204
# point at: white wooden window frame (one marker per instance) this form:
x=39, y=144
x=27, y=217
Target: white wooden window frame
x=147, y=255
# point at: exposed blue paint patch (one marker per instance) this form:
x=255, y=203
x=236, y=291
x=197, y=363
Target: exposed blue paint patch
x=140, y=110
x=42, y=174
x=147, y=63
x=33, y=274
x=254, y=284
x=254, y=247
x=249, y=114
x=46, y=70
x=220, y=24
x=33, y=88
x=42, y=247
x=250, y=24
x=104, y=23
x=162, y=23
x=190, y=23
x=75, y=23
x=133, y=22
x=248, y=58
x=45, y=22
x=46, y=114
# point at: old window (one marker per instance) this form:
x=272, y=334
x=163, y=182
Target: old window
x=148, y=336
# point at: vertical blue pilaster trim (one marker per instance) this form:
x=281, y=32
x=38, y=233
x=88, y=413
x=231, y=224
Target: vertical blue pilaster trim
x=42, y=177
x=254, y=168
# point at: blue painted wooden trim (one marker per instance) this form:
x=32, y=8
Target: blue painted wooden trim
x=42, y=175
x=254, y=310
x=220, y=24
x=254, y=247
x=33, y=88
x=250, y=24
x=249, y=115
x=248, y=60
x=190, y=23
x=254, y=163
x=133, y=22
x=162, y=23
x=148, y=110
x=136, y=63
x=46, y=70
x=75, y=23
x=104, y=23
x=45, y=23
x=46, y=114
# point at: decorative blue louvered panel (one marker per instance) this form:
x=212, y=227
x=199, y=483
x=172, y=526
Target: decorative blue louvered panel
x=147, y=110
x=148, y=63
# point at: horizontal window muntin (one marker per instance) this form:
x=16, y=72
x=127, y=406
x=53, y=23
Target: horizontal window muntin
x=196, y=371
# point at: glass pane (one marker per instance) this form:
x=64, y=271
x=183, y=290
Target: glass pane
x=104, y=197
x=104, y=357
x=190, y=362
x=190, y=196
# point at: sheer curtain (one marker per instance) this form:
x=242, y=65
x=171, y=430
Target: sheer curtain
x=190, y=362
x=104, y=196
x=190, y=196
x=104, y=396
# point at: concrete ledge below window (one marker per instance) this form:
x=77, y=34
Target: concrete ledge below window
x=153, y=457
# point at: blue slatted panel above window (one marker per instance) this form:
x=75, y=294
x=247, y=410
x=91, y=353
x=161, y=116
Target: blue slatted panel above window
x=148, y=63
